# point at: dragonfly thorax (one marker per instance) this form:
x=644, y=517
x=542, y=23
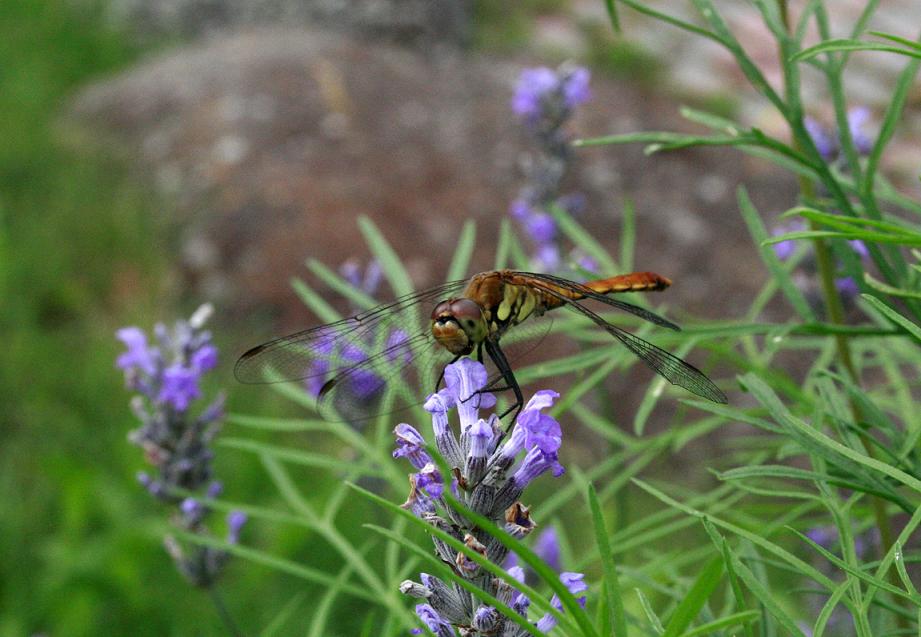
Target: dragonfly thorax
x=459, y=325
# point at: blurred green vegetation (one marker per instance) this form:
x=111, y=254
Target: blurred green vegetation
x=83, y=250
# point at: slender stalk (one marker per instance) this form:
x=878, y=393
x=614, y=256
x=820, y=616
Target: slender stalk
x=223, y=613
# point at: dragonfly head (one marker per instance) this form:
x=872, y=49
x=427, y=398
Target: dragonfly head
x=459, y=325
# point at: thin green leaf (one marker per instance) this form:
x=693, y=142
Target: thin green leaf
x=893, y=316
x=769, y=400
x=281, y=618
x=885, y=288
x=651, y=616
x=582, y=239
x=711, y=628
x=613, y=601
x=460, y=262
x=340, y=286
x=314, y=302
x=391, y=265
x=694, y=600
x=611, y=7
x=844, y=44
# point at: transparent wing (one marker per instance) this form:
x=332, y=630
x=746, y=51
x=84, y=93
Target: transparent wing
x=670, y=367
x=328, y=350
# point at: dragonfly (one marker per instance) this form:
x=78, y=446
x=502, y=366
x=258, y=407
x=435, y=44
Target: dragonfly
x=375, y=361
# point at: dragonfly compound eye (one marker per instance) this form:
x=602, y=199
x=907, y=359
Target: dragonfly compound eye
x=458, y=325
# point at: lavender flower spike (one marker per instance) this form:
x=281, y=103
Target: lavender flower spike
x=167, y=375
x=488, y=479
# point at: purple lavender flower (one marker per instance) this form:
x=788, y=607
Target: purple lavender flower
x=179, y=387
x=857, y=119
x=785, y=249
x=534, y=86
x=176, y=443
x=576, y=87
x=547, y=547
x=490, y=476
x=826, y=142
x=545, y=100
x=235, y=523
x=139, y=356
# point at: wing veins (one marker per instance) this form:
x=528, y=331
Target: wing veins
x=673, y=369
x=285, y=352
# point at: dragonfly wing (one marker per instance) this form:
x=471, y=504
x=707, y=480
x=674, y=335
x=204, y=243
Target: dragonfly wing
x=403, y=374
x=320, y=353
x=670, y=367
x=589, y=293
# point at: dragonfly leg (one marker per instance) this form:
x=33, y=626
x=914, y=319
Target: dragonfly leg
x=498, y=357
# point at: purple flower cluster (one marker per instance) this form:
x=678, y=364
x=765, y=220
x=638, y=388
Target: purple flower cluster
x=828, y=142
x=166, y=377
x=545, y=99
x=846, y=285
x=489, y=475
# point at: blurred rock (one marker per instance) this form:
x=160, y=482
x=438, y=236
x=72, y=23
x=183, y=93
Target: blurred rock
x=429, y=21
x=272, y=142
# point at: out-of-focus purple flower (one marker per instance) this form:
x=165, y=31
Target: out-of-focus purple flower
x=587, y=263
x=785, y=249
x=167, y=376
x=573, y=203
x=180, y=386
x=204, y=359
x=860, y=248
x=139, y=355
x=545, y=99
x=576, y=87
x=824, y=536
x=825, y=141
x=235, y=522
x=847, y=286
x=547, y=546
x=857, y=119
x=520, y=209
x=547, y=258
x=533, y=86
x=541, y=228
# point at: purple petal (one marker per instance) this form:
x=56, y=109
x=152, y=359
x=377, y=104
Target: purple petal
x=180, y=386
x=204, y=358
x=857, y=118
x=139, y=355
x=533, y=85
x=576, y=87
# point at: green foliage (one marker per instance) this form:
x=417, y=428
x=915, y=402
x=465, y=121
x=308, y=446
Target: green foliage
x=821, y=432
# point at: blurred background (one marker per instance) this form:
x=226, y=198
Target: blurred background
x=158, y=154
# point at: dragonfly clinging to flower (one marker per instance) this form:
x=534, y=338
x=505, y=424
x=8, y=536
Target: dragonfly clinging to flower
x=386, y=352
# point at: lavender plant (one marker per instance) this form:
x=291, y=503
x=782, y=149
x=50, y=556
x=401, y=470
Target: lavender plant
x=545, y=100
x=489, y=476
x=177, y=441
